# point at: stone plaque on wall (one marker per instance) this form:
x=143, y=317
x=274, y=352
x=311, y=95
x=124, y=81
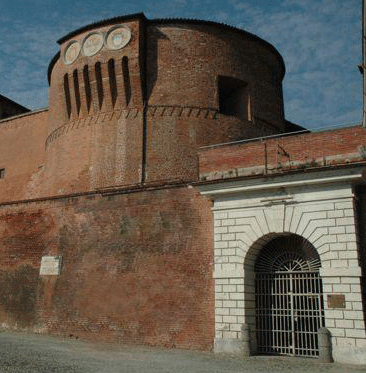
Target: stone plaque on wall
x=50, y=265
x=336, y=301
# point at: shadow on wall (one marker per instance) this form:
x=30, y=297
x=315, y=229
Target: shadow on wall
x=152, y=57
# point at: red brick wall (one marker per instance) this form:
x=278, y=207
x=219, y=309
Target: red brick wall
x=304, y=150
x=184, y=63
x=102, y=146
x=137, y=268
x=22, y=155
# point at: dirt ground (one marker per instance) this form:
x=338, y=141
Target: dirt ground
x=29, y=353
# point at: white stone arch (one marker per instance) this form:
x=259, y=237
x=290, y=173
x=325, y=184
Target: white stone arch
x=317, y=206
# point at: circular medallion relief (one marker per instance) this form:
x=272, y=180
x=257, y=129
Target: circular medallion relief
x=118, y=37
x=92, y=44
x=71, y=52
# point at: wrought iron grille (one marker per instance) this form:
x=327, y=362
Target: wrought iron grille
x=289, y=301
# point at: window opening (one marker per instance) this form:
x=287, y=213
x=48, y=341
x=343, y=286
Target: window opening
x=99, y=79
x=67, y=95
x=2, y=173
x=87, y=86
x=112, y=81
x=233, y=97
x=77, y=91
x=126, y=79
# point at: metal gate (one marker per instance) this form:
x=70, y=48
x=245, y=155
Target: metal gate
x=289, y=302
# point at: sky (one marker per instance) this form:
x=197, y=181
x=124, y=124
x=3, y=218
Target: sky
x=320, y=41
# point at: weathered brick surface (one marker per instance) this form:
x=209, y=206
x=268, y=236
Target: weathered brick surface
x=22, y=155
x=137, y=268
x=271, y=155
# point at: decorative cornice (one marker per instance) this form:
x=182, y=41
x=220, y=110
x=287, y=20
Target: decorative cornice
x=98, y=118
x=133, y=113
x=181, y=111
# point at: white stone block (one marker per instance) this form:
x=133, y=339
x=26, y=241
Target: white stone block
x=275, y=216
x=353, y=263
x=361, y=343
x=333, y=314
x=228, y=222
x=343, y=205
x=353, y=315
x=356, y=288
x=359, y=324
x=221, y=311
x=316, y=234
x=217, y=237
x=220, y=230
x=221, y=259
x=357, y=306
x=229, y=319
x=237, y=311
x=235, y=327
x=349, y=237
x=327, y=288
x=228, y=237
x=228, y=252
x=353, y=297
x=330, y=323
x=221, y=245
x=349, y=212
x=218, y=303
x=335, y=214
x=229, y=335
x=218, y=334
x=350, y=229
x=337, y=230
x=236, y=296
x=329, y=255
x=345, y=341
x=348, y=255
x=217, y=223
x=229, y=303
x=345, y=221
x=220, y=215
x=352, y=246
x=229, y=288
x=355, y=333
x=341, y=288
x=331, y=272
x=339, y=263
x=234, y=281
x=218, y=319
x=222, y=281
x=222, y=326
x=346, y=324
x=218, y=252
x=336, y=332
x=332, y=280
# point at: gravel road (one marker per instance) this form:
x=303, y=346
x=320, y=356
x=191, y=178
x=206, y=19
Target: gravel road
x=29, y=353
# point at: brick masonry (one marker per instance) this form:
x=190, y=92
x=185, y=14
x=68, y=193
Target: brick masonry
x=108, y=177
x=136, y=268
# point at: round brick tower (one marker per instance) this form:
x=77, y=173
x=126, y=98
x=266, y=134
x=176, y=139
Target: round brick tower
x=132, y=100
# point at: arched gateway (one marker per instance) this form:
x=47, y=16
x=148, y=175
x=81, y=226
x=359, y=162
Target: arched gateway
x=288, y=297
